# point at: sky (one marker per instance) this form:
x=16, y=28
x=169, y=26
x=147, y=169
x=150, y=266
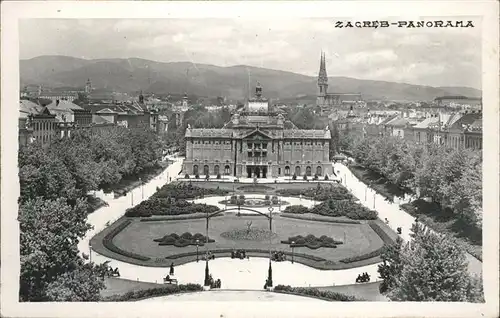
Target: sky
x=424, y=56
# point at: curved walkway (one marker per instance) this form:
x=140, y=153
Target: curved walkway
x=391, y=211
x=233, y=295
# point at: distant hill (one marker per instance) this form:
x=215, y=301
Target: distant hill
x=134, y=74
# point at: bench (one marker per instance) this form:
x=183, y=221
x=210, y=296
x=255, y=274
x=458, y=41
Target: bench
x=170, y=281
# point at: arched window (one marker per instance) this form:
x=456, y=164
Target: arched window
x=287, y=170
x=227, y=170
x=195, y=169
x=216, y=169
x=297, y=170
x=308, y=171
x=319, y=171
x=206, y=170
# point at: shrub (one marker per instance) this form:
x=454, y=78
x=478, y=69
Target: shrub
x=108, y=243
x=186, y=176
x=219, y=176
x=197, y=176
x=242, y=197
x=305, y=177
x=184, y=240
x=326, y=177
x=154, y=292
x=296, y=209
x=267, y=197
x=294, y=177
x=312, y=242
x=233, y=199
x=315, y=177
x=314, y=292
x=275, y=199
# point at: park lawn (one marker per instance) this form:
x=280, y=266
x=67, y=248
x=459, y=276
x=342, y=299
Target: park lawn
x=138, y=237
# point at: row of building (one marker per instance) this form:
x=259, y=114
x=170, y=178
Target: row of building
x=60, y=118
x=455, y=129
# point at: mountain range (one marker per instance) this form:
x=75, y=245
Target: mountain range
x=235, y=82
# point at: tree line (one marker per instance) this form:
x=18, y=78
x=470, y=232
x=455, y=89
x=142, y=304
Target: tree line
x=54, y=182
x=451, y=178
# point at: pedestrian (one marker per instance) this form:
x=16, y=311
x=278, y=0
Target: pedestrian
x=172, y=269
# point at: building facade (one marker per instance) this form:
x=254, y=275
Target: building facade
x=257, y=142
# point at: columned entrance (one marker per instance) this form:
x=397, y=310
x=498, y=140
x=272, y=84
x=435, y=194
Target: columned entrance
x=257, y=171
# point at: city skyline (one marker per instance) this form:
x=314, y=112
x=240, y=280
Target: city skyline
x=429, y=57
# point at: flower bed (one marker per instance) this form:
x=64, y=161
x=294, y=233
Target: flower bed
x=252, y=202
x=312, y=242
x=254, y=234
x=183, y=240
x=155, y=292
x=363, y=257
x=108, y=243
x=313, y=292
x=186, y=191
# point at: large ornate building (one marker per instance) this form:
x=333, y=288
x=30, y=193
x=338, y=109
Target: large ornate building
x=257, y=142
x=328, y=101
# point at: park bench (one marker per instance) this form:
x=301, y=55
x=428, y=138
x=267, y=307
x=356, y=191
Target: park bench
x=170, y=281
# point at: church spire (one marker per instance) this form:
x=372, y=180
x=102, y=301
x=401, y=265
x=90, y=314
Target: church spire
x=322, y=76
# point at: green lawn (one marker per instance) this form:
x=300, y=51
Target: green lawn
x=138, y=236
x=368, y=291
x=119, y=286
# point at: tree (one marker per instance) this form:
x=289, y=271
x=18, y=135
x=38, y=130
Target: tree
x=81, y=284
x=433, y=268
x=50, y=231
x=391, y=265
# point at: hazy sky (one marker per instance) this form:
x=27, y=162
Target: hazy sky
x=427, y=56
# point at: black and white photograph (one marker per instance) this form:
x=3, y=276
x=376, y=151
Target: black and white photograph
x=317, y=160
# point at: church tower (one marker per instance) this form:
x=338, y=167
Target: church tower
x=88, y=87
x=322, y=77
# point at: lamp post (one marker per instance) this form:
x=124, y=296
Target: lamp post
x=366, y=190
x=270, y=271
x=292, y=245
x=197, y=244
x=132, y=197
x=142, y=188
x=374, y=194
x=207, y=272
x=90, y=252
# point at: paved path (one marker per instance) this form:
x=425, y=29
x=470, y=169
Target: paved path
x=233, y=295
x=391, y=211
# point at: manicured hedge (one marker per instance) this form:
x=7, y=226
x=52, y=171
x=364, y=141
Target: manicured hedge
x=108, y=243
x=186, y=191
x=183, y=240
x=296, y=209
x=320, y=193
x=168, y=206
x=352, y=210
x=314, y=292
x=363, y=257
x=380, y=232
x=155, y=292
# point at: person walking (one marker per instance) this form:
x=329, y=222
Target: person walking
x=172, y=269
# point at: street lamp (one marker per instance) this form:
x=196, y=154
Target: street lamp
x=90, y=252
x=132, y=197
x=197, y=244
x=374, y=194
x=142, y=188
x=270, y=271
x=292, y=245
x=207, y=272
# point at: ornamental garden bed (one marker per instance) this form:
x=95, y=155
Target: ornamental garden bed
x=319, y=193
x=168, y=206
x=108, y=243
x=312, y=242
x=243, y=201
x=252, y=234
x=319, y=218
x=183, y=240
x=335, y=208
